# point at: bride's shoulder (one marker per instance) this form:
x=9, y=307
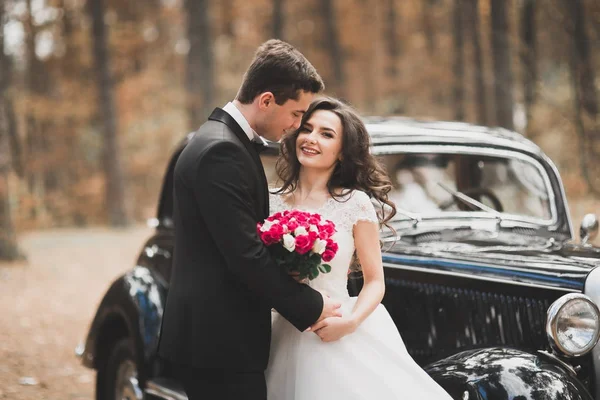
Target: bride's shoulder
x=356, y=195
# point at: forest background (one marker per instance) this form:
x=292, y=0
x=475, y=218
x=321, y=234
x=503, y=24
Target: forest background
x=95, y=94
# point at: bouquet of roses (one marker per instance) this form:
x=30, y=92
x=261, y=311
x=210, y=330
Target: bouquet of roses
x=300, y=242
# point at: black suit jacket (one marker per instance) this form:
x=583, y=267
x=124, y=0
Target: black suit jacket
x=224, y=283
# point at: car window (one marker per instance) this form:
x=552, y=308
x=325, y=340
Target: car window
x=509, y=185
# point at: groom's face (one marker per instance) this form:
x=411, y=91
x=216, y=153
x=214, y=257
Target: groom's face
x=281, y=119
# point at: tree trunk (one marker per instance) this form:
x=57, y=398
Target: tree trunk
x=115, y=185
x=391, y=39
x=458, y=67
x=585, y=96
x=227, y=17
x=8, y=244
x=35, y=87
x=473, y=28
x=278, y=19
x=428, y=25
x=200, y=63
x=334, y=47
x=528, y=55
x=501, y=60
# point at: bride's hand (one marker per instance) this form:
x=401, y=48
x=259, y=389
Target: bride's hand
x=334, y=328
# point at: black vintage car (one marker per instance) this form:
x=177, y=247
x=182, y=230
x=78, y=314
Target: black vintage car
x=484, y=282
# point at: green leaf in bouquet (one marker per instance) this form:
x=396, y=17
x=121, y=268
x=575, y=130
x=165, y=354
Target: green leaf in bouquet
x=313, y=273
x=315, y=258
x=325, y=268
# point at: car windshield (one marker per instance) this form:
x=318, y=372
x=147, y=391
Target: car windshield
x=424, y=184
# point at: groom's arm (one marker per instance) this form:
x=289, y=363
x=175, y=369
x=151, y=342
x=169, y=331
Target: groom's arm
x=222, y=186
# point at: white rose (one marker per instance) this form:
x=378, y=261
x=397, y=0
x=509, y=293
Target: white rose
x=319, y=246
x=313, y=228
x=266, y=226
x=289, y=242
x=300, y=231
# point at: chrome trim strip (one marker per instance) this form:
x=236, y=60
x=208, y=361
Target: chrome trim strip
x=555, y=358
x=471, y=276
x=562, y=192
x=162, y=392
x=592, y=290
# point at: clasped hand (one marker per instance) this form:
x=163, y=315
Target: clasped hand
x=332, y=326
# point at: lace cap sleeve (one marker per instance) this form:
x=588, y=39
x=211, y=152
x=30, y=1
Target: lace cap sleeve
x=363, y=208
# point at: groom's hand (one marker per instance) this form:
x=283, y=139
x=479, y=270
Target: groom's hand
x=330, y=309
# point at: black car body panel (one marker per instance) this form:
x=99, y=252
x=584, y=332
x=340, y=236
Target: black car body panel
x=503, y=374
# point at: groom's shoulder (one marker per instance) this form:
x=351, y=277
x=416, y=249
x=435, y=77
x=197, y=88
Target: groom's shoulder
x=213, y=131
x=211, y=137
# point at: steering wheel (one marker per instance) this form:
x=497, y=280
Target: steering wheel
x=476, y=193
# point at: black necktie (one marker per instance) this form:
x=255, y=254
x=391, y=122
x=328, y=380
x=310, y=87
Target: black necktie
x=259, y=146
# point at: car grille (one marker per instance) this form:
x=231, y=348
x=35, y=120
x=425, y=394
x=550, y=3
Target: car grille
x=436, y=320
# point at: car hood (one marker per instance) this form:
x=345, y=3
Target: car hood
x=520, y=259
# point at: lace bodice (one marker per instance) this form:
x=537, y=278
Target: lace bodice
x=344, y=213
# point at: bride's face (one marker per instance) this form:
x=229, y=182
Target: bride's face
x=319, y=142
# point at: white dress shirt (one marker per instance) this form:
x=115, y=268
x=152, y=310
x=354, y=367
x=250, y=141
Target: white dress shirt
x=237, y=115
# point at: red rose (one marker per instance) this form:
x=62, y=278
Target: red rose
x=268, y=238
x=313, y=236
x=326, y=231
x=303, y=244
x=292, y=225
x=328, y=255
x=277, y=232
x=332, y=246
x=275, y=216
x=301, y=218
x=313, y=220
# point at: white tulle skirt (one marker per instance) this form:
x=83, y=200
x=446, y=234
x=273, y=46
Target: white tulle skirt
x=370, y=364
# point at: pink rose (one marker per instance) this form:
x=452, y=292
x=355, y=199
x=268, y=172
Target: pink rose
x=326, y=230
x=332, y=246
x=277, y=232
x=328, y=255
x=268, y=238
x=301, y=218
x=292, y=225
x=313, y=220
x=303, y=244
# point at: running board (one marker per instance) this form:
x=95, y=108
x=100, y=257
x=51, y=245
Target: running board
x=164, y=389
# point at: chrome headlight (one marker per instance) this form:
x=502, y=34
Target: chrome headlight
x=573, y=325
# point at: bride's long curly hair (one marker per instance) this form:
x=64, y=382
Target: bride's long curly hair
x=357, y=169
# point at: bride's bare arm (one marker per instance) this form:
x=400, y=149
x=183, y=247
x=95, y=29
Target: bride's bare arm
x=366, y=241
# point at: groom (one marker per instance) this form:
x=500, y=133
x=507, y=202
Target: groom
x=216, y=326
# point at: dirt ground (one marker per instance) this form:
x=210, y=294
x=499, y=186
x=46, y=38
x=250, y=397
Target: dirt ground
x=47, y=304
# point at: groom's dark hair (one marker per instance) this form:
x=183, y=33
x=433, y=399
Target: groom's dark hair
x=279, y=68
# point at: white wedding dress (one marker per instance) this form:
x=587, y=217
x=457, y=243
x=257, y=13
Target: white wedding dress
x=370, y=364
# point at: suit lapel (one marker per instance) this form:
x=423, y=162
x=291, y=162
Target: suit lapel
x=220, y=115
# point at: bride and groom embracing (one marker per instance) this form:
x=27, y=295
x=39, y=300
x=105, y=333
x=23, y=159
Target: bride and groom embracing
x=218, y=332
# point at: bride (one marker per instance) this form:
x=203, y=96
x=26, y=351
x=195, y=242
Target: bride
x=326, y=168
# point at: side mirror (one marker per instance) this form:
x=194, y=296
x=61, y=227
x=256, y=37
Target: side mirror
x=589, y=228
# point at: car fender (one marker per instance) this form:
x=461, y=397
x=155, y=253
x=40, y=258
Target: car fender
x=505, y=373
x=133, y=307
